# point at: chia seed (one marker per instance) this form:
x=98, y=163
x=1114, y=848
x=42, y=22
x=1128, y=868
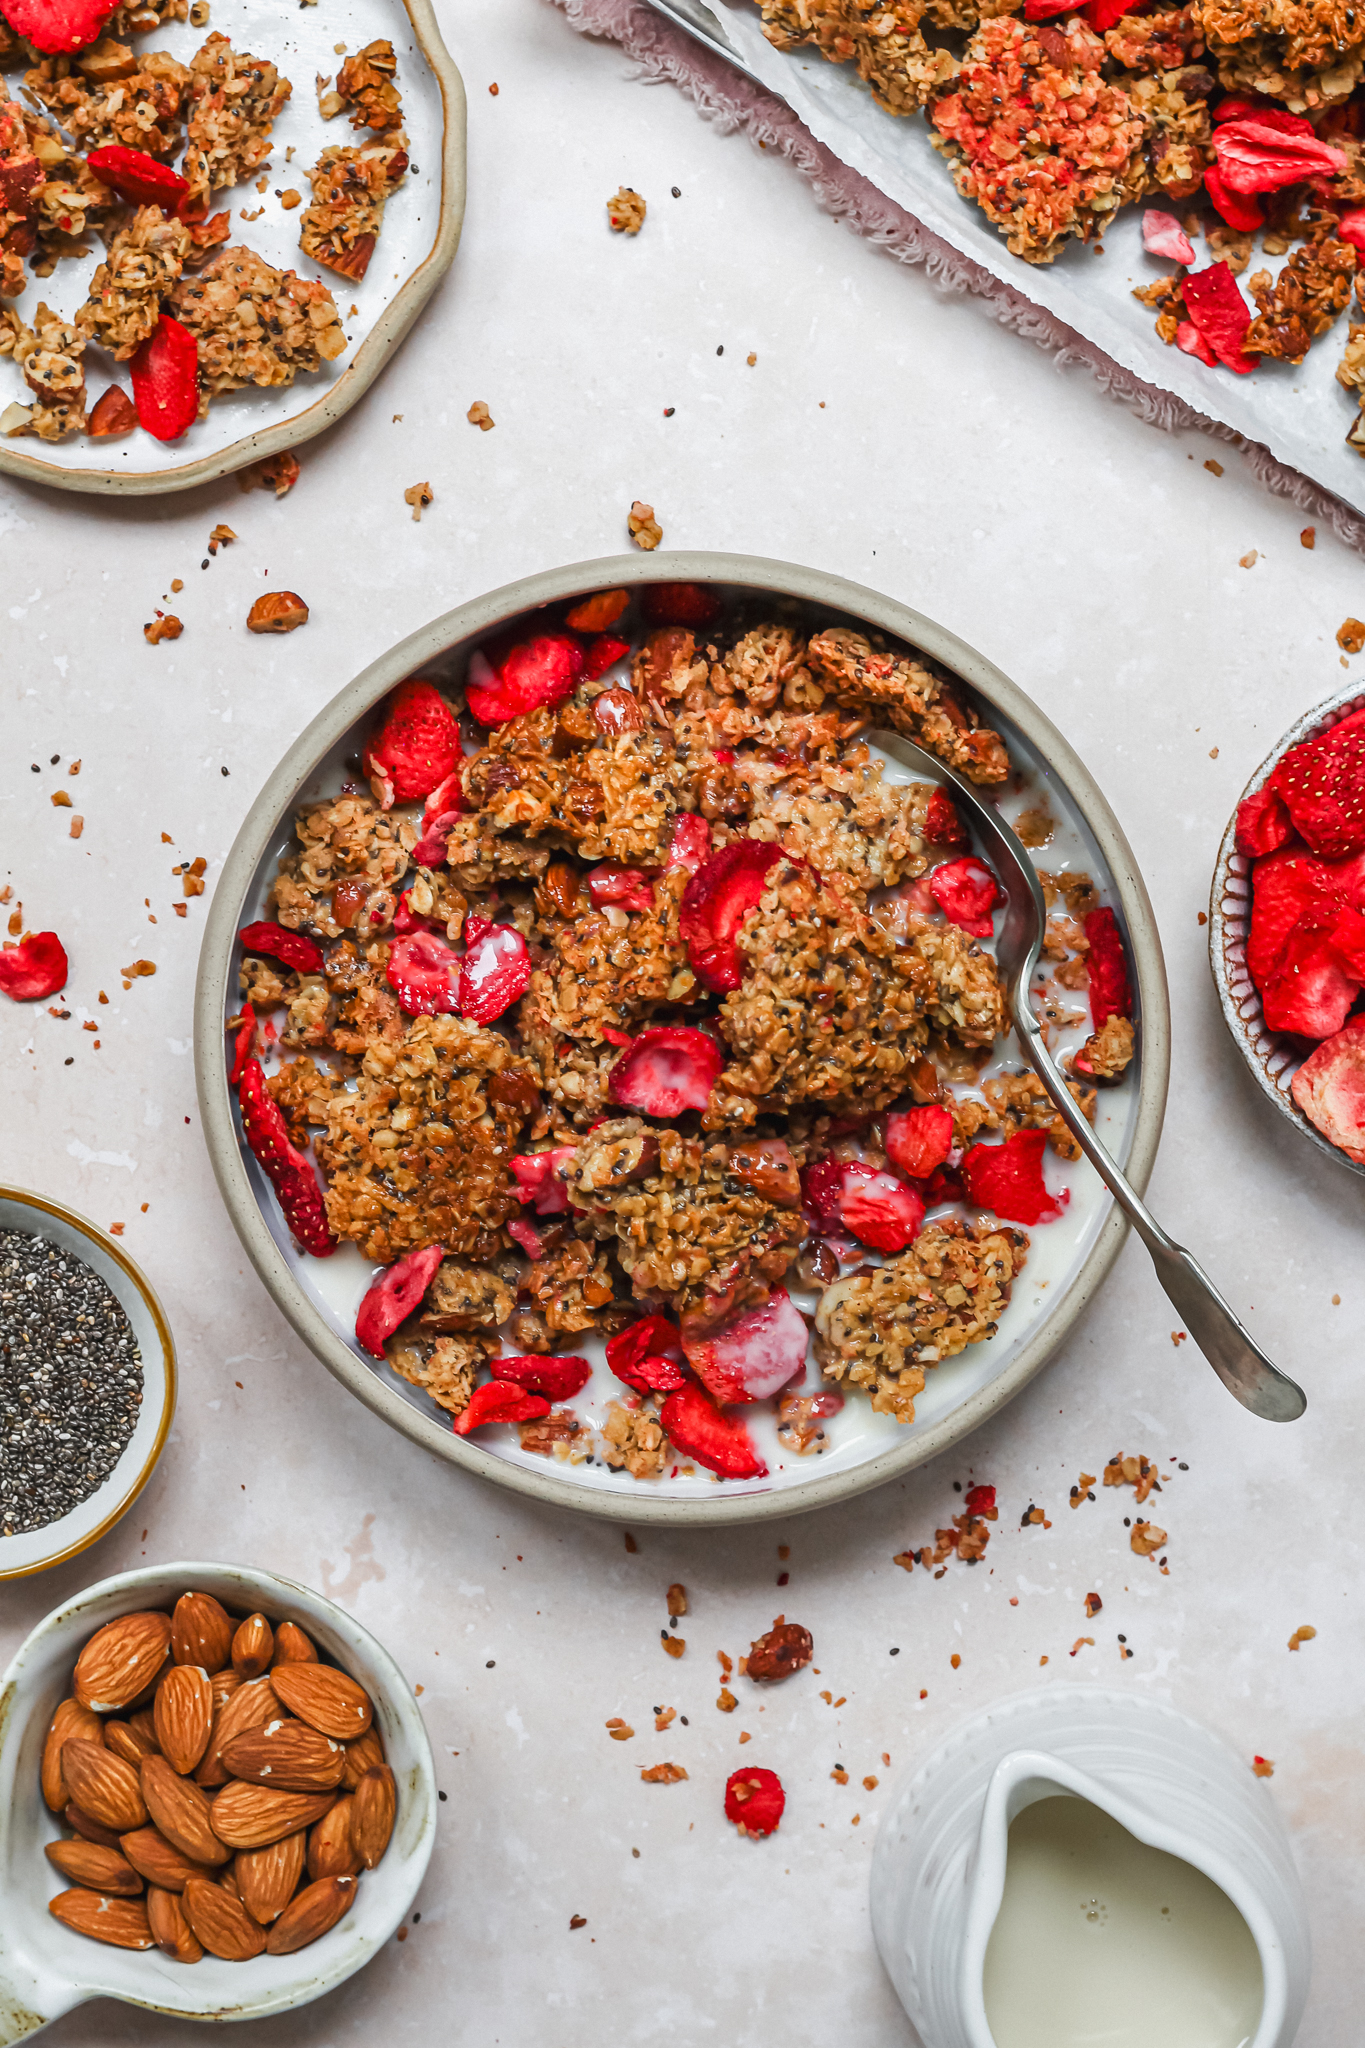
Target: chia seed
x=70, y=1382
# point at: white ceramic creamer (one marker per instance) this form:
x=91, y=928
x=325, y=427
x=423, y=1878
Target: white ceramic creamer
x=1139, y=1808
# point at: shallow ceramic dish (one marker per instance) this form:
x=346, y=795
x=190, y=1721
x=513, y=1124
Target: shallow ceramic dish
x=45, y=1968
x=1069, y=1259
x=416, y=247
x=95, y=1517
x=1273, y=1058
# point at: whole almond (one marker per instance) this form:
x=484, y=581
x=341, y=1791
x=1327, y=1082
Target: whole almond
x=184, y=1715
x=171, y=1931
x=268, y=1878
x=223, y=1684
x=143, y=1725
x=251, y=1706
x=120, y=1922
x=159, y=1861
x=252, y=1816
x=318, y=1907
x=364, y=1754
x=201, y=1632
x=325, y=1698
x=292, y=1646
x=181, y=1811
x=102, y=1870
x=288, y=1755
x=221, y=1922
x=253, y=1646
x=126, y=1741
x=375, y=1802
x=89, y=1829
x=330, y=1851
x=70, y=1718
x=120, y=1660
x=228, y=1880
x=103, y=1785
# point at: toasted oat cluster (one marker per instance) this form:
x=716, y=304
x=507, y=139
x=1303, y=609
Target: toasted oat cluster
x=366, y=84
x=49, y=354
x=145, y=261
x=350, y=187
x=108, y=95
x=255, y=324
x=1309, y=52
x=235, y=100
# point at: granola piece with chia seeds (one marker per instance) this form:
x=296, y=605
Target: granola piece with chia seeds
x=1309, y=53
x=350, y=188
x=309, y=1014
x=608, y=797
x=560, y=1434
x=842, y=817
x=146, y=259
x=632, y=1441
x=465, y=1297
x=255, y=324
x=1164, y=41
x=234, y=101
x=1177, y=145
x=49, y=355
x=905, y=693
x=303, y=1089
x=136, y=101
x=1019, y=1102
x=571, y=1288
x=344, y=875
x=366, y=83
x=444, y=1367
x=264, y=983
x=1312, y=289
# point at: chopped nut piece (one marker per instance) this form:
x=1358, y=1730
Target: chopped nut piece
x=663, y=1774
x=277, y=473
x=1146, y=1538
x=664, y=1717
x=674, y=1645
x=1301, y=1635
x=626, y=212
x=112, y=415
x=618, y=1729
x=1138, y=1472
x=726, y=1700
x=290, y=198
x=1309, y=537
x=77, y=825
x=167, y=628
x=1081, y=1490
x=61, y=800
x=1351, y=635
x=222, y=536
x=279, y=611
x=1262, y=1767
x=479, y=416
x=1248, y=561
x=643, y=527
x=419, y=496
x=787, y=1647
x=677, y=1600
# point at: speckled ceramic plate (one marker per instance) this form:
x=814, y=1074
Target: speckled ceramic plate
x=416, y=247
x=1272, y=1058
x=1069, y=1258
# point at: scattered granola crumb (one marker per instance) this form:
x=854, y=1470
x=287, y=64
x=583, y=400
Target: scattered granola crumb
x=1213, y=753
x=1042, y=1660
x=77, y=824
x=664, y=1717
x=168, y=627
x=1249, y=560
x=1138, y=1472
x=626, y=212
x=1301, y=1635
x=726, y=1701
x=1336, y=1301
x=1214, y=468
x=663, y=1774
x=674, y=1645
x=419, y=496
x=839, y=1775
x=955, y=1660
x=289, y=199
x=1351, y=635
x=643, y=527
x=1263, y=1767
x=578, y=1920
x=60, y=800
x=1309, y=537
x=494, y=90
x=1146, y=1538
x=631, y=1545
x=180, y=910
x=870, y=1784
x=279, y=611
x=1093, y=1605
x=177, y=585
x=745, y=1736
x=1081, y=1490
x=221, y=537
x=619, y=1730
x=1080, y=1643
x=1203, y=917
x=74, y=767
x=115, y=1230
x=677, y=1600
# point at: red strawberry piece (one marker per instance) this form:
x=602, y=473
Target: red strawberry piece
x=1188, y=338
x=165, y=373
x=1238, y=107
x=1162, y=235
x=667, y=1070
x=135, y=175
x=1351, y=228
x=720, y=895
x=639, y=1356
x=243, y=1045
x=418, y=746
x=879, y=1208
x=754, y=1800
x=617, y=710
x=1105, y=14
x=1008, y=1178
x=1262, y=823
x=681, y=604
x=393, y=1297
x=538, y=1179
x=1046, y=10
x=476, y=928
x=285, y=1167
x=1240, y=210
x=753, y=1354
x=691, y=841
x=406, y=919
x=439, y=813
x=1330, y=1089
x=496, y=969
x=602, y=653
x=1256, y=155
x=1110, y=993
x=695, y=1426
x=597, y=612
x=822, y=1187
x=499, y=1401
x=945, y=1185
x=631, y=888
x=1322, y=783
x=1290, y=890
x=1214, y=302
x=1311, y=994
x=967, y=892
x=527, y=1236
x=918, y=1140
x=615, y=1037
x=557, y=1378
x=419, y=970
x=58, y=25
x=278, y=944
x=542, y=670
x=36, y=967
x=943, y=823
x=980, y=1500
x=1347, y=941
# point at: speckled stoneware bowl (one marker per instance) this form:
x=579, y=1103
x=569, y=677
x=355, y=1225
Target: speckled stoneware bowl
x=36, y=1549
x=46, y=1968
x=1068, y=1259
x=1272, y=1058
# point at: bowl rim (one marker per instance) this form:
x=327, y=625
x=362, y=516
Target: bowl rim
x=45, y=1205
x=1269, y=1055
x=431, y=642
x=374, y=352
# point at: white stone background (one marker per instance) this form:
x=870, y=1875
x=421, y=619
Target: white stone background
x=1097, y=561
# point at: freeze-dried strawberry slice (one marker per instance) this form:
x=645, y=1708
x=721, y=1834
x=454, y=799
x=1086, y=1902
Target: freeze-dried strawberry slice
x=417, y=747
x=602, y=653
x=753, y=1354
x=1241, y=107
x=1162, y=235
x=1110, y=993
x=720, y=895
x=681, y=604
x=1214, y=302
x=640, y=1356
x=1330, y=1089
x=695, y=1426
x=242, y=1045
x=594, y=614
x=135, y=175
x=1347, y=941
x=406, y=919
x=538, y=1179
x=1351, y=228
x=631, y=888
x=419, y=970
x=527, y=1236
x=877, y=1208
x=542, y=670
x=1263, y=823
x=36, y=967
x=754, y=1800
x=58, y=25
x=293, y=948
x=496, y=969
x=918, y=1140
x=1292, y=891
x=967, y=892
x=980, y=1500
x=1008, y=1178
x=443, y=806
x=499, y=1401
x=667, y=1070
x=394, y=1295
x=165, y=374
x=1322, y=783
x=943, y=822
x=289, y=1173
x=1311, y=994
x=1256, y=155
x=560, y=1378
x=1241, y=210
x=691, y=841
x=1188, y=338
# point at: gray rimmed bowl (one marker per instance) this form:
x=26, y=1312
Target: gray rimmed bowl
x=961, y=1396
x=1272, y=1058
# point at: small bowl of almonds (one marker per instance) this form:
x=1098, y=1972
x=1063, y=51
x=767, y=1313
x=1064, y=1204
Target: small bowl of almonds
x=209, y=1766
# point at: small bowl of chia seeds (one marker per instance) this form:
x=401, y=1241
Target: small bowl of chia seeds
x=87, y=1382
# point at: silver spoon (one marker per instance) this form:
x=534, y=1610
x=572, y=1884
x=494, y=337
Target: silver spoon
x=1228, y=1346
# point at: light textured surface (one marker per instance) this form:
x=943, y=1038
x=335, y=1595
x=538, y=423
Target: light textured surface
x=1098, y=562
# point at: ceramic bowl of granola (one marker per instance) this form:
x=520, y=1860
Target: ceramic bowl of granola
x=214, y=241
x=700, y=1185
x=1287, y=927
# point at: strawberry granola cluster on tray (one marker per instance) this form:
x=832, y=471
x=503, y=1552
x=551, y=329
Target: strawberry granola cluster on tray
x=88, y=140
x=1238, y=120
x=631, y=994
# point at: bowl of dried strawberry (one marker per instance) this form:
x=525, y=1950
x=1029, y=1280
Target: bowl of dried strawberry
x=1287, y=927
x=603, y=1058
